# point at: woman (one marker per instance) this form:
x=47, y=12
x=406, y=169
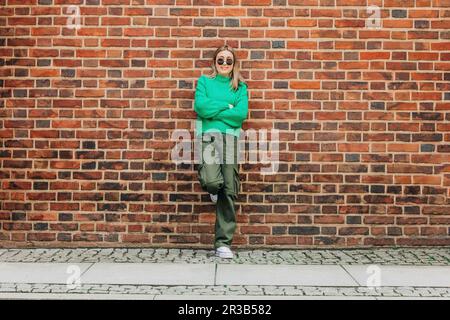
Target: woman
x=221, y=103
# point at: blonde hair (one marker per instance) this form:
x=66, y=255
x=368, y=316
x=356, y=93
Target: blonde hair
x=235, y=73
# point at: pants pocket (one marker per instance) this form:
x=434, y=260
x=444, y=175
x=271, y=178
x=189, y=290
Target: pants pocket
x=237, y=182
x=201, y=177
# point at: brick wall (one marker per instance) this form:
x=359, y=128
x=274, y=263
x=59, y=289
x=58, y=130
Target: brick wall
x=362, y=107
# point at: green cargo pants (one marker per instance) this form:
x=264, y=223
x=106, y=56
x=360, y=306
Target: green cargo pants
x=218, y=173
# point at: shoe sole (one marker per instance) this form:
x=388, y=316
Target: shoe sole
x=221, y=255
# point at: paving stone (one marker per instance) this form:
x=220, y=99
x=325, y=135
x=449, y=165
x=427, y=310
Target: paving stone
x=381, y=256
x=237, y=290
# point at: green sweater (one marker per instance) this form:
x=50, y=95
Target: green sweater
x=212, y=97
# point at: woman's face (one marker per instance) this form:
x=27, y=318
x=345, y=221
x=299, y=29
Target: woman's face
x=226, y=56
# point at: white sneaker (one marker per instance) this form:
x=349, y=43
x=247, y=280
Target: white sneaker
x=224, y=252
x=213, y=197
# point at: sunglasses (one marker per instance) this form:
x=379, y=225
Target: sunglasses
x=221, y=61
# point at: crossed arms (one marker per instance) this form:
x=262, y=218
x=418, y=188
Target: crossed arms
x=220, y=110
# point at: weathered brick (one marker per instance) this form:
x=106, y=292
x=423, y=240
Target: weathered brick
x=87, y=117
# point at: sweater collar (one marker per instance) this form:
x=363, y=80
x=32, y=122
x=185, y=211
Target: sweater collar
x=222, y=78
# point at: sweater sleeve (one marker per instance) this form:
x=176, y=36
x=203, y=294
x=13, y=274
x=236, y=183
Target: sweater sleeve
x=236, y=116
x=205, y=107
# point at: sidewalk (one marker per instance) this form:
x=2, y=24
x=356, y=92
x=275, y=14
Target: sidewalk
x=198, y=274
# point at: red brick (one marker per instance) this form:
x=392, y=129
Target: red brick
x=87, y=117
